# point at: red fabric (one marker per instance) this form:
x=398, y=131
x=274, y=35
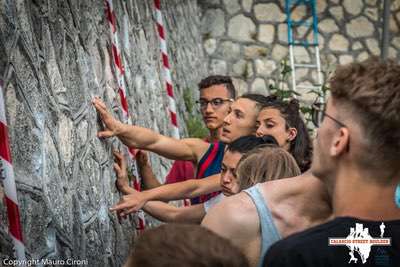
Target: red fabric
x=180, y=171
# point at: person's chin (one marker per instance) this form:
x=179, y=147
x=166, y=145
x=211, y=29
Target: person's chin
x=227, y=194
x=211, y=125
x=225, y=139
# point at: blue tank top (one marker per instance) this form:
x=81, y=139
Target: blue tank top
x=269, y=233
x=208, y=165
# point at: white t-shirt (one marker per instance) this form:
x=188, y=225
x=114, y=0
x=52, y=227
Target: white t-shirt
x=212, y=201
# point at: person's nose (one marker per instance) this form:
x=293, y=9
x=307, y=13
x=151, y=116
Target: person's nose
x=209, y=109
x=227, y=119
x=259, y=131
x=226, y=178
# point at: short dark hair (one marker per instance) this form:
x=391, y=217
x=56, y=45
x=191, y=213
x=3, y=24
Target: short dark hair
x=301, y=146
x=183, y=245
x=219, y=80
x=371, y=92
x=261, y=100
x=244, y=144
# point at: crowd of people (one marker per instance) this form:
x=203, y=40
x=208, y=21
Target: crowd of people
x=262, y=192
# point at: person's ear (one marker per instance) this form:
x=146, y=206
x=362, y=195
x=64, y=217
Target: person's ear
x=292, y=134
x=340, y=142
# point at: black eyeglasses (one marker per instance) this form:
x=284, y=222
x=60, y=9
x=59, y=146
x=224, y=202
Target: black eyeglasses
x=215, y=102
x=318, y=114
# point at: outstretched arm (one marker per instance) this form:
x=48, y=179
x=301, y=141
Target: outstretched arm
x=143, y=138
x=134, y=200
x=169, y=213
x=146, y=173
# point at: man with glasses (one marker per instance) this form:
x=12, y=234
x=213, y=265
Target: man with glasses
x=357, y=156
x=217, y=92
x=241, y=121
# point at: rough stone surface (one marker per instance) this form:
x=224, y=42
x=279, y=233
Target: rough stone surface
x=299, y=12
x=373, y=46
x=338, y=43
x=282, y=32
x=266, y=33
x=396, y=42
x=269, y=12
x=213, y=23
x=321, y=41
x=301, y=73
x=344, y=28
x=371, y=2
x=353, y=7
x=228, y=50
x=259, y=86
x=363, y=56
x=247, y=4
x=232, y=6
x=255, y=51
x=212, y=2
x=239, y=67
x=56, y=56
x=210, y=45
x=395, y=6
x=321, y=6
x=240, y=85
x=354, y=27
x=328, y=26
x=344, y=59
x=337, y=12
x=264, y=68
x=218, y=66
x=302, y=55
x=392, y=52
x=249, y=72
x=242, y=28
x=393, y=27
x=356, y=46
x=372, y=13
x=279, y=52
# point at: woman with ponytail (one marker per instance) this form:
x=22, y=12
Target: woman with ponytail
x=283, y=121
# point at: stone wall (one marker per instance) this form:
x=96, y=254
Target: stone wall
x=248, y=38
x=54, y=57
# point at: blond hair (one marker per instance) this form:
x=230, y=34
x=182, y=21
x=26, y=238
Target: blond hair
x=265, y=163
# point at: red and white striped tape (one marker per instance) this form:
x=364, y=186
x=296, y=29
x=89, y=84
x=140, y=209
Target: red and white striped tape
x=167, y=72
x=167, y=76
x=7, y=176
x=117, y=59
x=119, y=66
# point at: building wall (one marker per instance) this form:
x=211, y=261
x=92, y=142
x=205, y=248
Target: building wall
x=248, y=38
x=54, y=57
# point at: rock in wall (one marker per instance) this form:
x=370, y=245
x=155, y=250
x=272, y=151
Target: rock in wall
x=54, y=57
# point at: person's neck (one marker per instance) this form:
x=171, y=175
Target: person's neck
x=357, y=193
x=316, y=204
x=214, y=135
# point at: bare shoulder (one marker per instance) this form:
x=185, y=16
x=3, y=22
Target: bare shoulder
x=231, y=214
x=197, y=145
